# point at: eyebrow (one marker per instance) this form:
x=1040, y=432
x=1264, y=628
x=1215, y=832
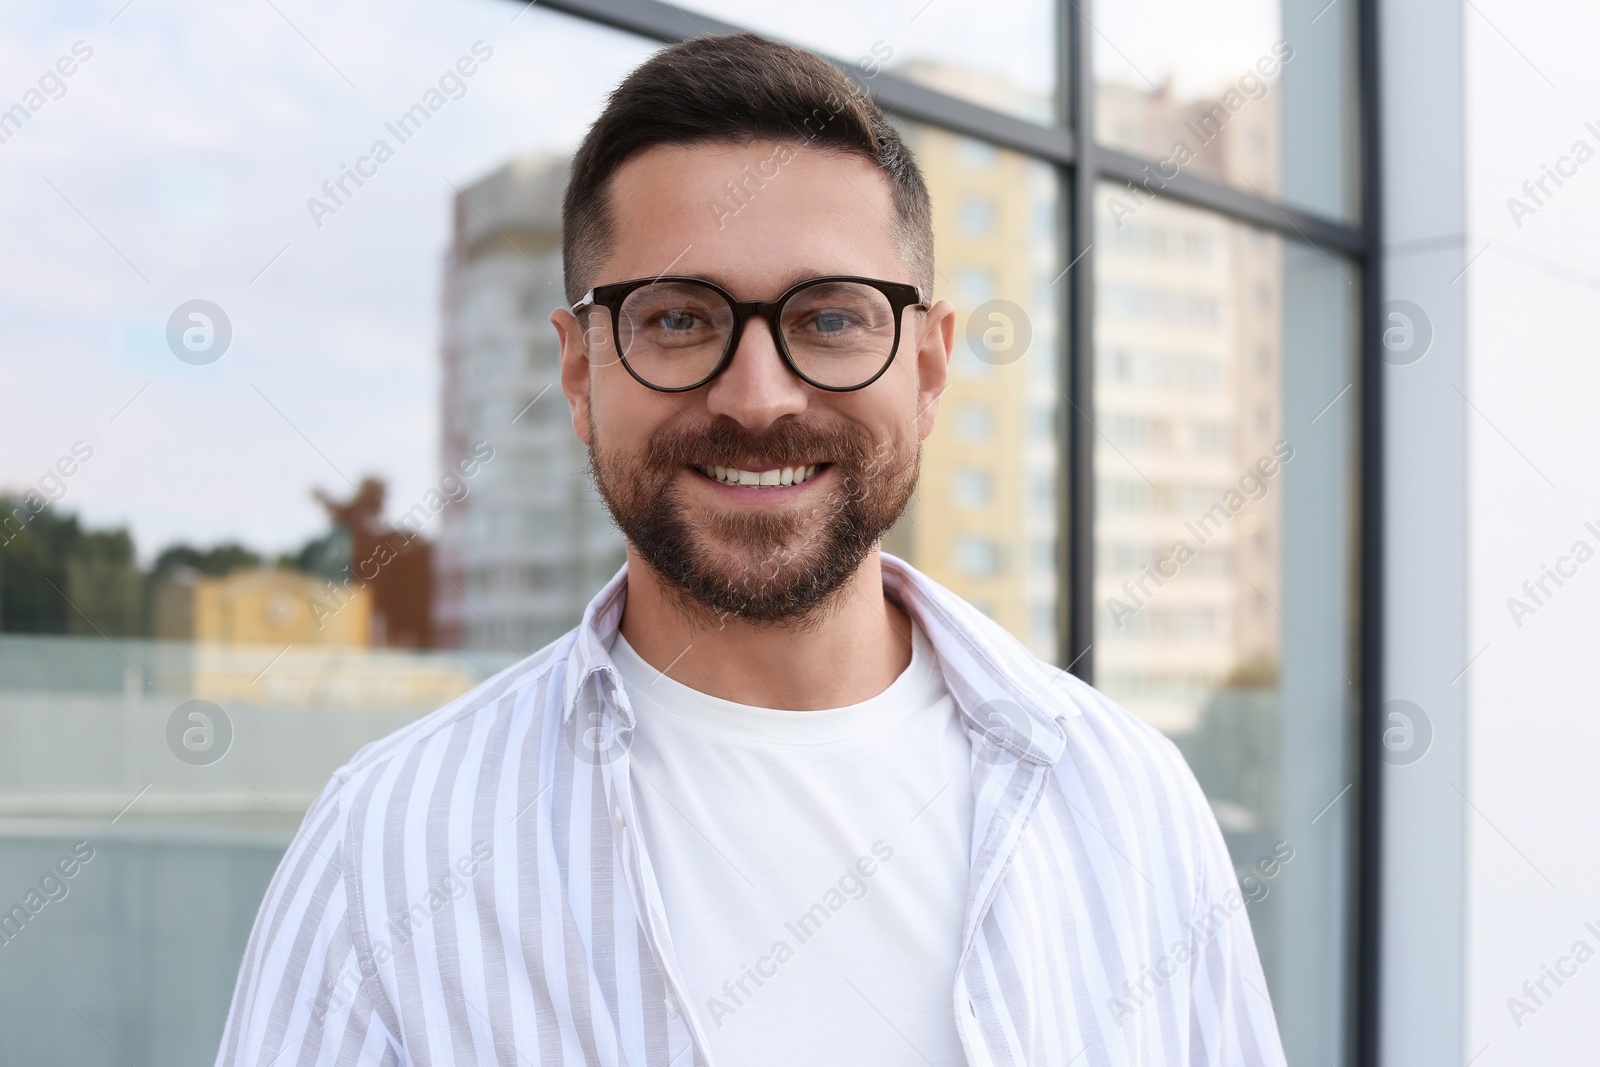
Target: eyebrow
x=785, y=282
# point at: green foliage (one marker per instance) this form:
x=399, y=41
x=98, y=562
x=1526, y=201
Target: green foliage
x=105, y=591
x=56, y=577
x=213, y=562
x=33, y=567
x=326, y=557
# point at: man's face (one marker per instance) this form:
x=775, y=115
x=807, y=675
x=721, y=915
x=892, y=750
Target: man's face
x=764, y=553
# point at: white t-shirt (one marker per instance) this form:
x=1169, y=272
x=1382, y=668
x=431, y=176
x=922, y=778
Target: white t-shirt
x=813, y=865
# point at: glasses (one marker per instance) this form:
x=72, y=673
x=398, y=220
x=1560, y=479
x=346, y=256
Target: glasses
x=674, y=334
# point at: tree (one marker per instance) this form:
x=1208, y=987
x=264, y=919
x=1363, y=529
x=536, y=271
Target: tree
x=57, y=578
x=213, y=562
x=105, y=591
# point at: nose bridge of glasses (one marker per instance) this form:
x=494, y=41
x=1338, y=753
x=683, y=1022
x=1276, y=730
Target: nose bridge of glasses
x=748, y=313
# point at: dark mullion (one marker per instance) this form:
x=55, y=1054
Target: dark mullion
x=1117, y=166
x=646, y=18
x=905, y=98
x=895, y=94
x=1077, y=468
x=1367, y=964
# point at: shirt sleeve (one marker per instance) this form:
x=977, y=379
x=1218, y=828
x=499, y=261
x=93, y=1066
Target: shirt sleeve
x=300, y=999
x=1231, y=1019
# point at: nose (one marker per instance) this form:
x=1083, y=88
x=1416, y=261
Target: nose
x=758, y=388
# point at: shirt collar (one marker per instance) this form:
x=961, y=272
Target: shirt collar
x=1003, y=691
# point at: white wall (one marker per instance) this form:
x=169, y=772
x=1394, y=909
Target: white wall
x=1492, y=850
x=1533, y=315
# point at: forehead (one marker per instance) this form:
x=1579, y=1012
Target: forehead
x=754, y=218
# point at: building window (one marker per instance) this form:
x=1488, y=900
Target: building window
x=1044, y=557
x=977, y=216
x=977, y=557
x=979, y=155
x=1213, y=438
x=974, y=423
x=971, y=488
x=974, y=286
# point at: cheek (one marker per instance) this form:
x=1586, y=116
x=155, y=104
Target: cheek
x=624, y=414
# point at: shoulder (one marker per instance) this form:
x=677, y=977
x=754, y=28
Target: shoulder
x=1101, y=732
x=1128, y=783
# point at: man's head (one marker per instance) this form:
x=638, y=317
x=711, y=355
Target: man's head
x=755, y=166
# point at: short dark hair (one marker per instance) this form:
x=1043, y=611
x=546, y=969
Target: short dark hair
x=735, y=89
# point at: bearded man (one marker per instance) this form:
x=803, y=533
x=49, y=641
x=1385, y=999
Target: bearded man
x=779, y=799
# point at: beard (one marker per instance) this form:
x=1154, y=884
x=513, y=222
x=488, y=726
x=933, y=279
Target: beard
x=773, y=565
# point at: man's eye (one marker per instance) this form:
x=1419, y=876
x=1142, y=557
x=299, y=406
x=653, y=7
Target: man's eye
x=832, y=322
x=678, y=320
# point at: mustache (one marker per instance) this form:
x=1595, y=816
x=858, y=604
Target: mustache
x=786, y=442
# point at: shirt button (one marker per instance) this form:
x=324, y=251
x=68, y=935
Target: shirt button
x=972, y=1009
x=617, y=811
x=672, y=1007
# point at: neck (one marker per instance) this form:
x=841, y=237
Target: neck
x=860, y=647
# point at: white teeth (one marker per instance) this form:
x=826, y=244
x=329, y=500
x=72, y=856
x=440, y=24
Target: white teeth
x=777, y=476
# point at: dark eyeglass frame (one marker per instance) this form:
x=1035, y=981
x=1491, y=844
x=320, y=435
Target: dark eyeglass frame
x=611, y=296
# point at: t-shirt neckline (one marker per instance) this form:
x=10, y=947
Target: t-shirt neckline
x=654, y=693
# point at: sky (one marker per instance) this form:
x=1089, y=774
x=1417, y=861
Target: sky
x=177, y=166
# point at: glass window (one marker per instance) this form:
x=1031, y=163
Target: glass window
x=971, y=488
x=977, y=216
x=974, y=285
x=1257, y=95
x=978, y=557
x=1224, y=588
x=1001, y=55
x=1002, y=394
x=193, y=642
x=972, y=422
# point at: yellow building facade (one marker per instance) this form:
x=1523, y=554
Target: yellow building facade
x=263, y=606
x=984, y=519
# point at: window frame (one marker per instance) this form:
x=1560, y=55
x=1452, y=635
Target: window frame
x=1081, y=163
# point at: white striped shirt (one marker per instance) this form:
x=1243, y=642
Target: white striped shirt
x=474, y=889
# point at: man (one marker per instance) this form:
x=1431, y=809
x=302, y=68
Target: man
x=779, y=799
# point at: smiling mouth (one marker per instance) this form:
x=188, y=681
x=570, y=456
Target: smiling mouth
x=775, y=477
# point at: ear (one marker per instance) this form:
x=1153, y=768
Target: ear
x=574, y=368
x=935, y=344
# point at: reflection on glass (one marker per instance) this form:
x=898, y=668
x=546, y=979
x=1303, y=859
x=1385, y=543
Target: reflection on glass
x=1001, y=55
x=984, y=518
x=524, y=551
x=1224, y=559
x=192, y=643
x=172, y=774
x=1257, y=95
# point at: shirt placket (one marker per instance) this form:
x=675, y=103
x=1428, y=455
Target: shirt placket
x=646, y=895
x=1011, y=790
